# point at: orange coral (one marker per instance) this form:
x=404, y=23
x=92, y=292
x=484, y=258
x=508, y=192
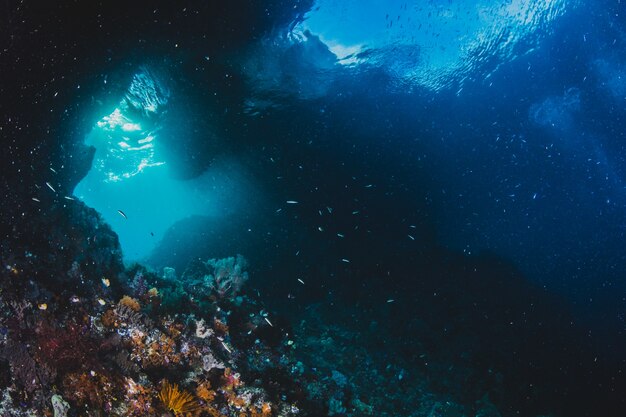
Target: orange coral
x=220, y=327
x=180, y=402
x=264, y=411
x=130, y=303
x=92, y=389
x=175, y=330
x=138, y=399
x=235, y=401
x=230, y=380
x=109, y=318
x=204, y=392
x=160, y=352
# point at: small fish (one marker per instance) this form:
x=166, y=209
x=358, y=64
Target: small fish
x=36, y=199
x=74, y=299
x=291, y=202
x=345, y=260
x=226, y=347
x=151, y=233
x=52, y=169
x=300, y=281
x=340, y=235
x=391, y=300
x=51, y=187
x=122, y=214
x=106, y=282
x=268, y=321
x=68, y=198
x=43, y=306
x=101, y=301
x=411, y=237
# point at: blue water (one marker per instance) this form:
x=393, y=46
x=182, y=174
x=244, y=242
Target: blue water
x=430, y=196
x=501, y=120
x=132, y=185
x=356, y=143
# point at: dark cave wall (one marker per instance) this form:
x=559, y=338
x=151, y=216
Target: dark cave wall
x=64, y=64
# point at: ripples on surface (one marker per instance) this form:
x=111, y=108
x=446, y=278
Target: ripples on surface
x=426, y=45
x=125, y=138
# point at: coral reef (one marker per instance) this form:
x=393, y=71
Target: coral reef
x=79, y=338
x=169, y=346
x=181, y=403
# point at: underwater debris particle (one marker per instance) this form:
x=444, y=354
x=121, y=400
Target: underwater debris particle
x=226, y=346
x=51, y=187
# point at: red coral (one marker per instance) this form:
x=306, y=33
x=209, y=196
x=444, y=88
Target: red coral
x=66, y=347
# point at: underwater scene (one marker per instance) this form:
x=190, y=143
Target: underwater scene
x=310, y=208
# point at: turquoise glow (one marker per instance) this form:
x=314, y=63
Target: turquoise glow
x=130, y=173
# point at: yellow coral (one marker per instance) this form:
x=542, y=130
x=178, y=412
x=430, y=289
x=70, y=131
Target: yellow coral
x=180, y=402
